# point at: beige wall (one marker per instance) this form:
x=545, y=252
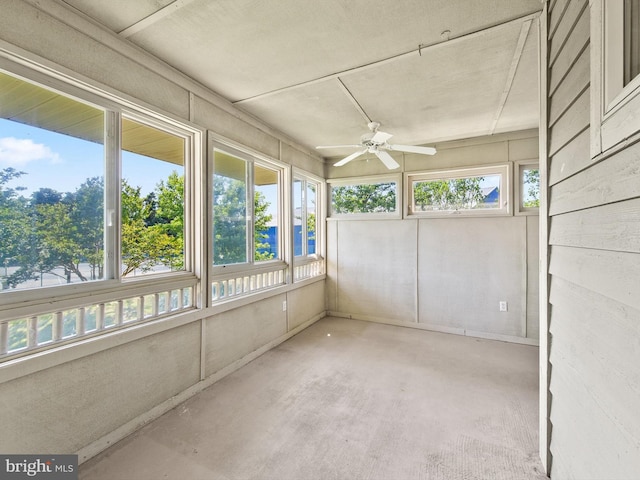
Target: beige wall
x=445, y=274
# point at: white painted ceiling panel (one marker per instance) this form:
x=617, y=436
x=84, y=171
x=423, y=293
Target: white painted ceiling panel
x=428, y=70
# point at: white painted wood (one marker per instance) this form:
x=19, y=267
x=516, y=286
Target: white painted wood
x=544, y=397
x=611, y=180
x=614, y=226
x=572, y=86
x=575, y=44
x=612, y=274
x=305, y=303
x=571, y=158
x=571, y=124
x=570, y=17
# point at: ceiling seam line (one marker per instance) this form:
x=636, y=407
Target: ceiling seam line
x=417, y=50
x=353, y=100
x=153, y=18
x=515, y=61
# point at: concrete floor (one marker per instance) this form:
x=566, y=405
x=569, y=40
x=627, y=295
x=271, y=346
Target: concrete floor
x=347, y=399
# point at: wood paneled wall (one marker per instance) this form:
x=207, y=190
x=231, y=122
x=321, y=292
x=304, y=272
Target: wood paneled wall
x=594, y=267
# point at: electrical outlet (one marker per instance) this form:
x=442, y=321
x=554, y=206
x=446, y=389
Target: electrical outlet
x=284, y=306
x=503, y=306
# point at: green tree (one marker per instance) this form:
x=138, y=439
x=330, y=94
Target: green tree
x=261, y=225
x=364, y=198
x=230, y=222
x=454, y=194
x=153, y=232
x=14, y=224
x=531, y=181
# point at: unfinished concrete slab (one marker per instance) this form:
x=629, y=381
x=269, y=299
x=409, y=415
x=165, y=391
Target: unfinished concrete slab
x=348, y=399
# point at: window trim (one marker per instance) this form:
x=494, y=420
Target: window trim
x=502, y=169
x=367, y=180
x=614, y=106
x=519, y=167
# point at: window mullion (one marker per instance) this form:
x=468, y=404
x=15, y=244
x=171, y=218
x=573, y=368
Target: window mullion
x=113, y=175
x=250, y=212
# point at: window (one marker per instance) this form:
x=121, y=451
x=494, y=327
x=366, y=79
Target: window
x=469, y=191
x=84, y=212
x=152, y=199
x=366, y=197
x=247, y=224
x=246, y=207
x=614, y=75
x=305, y=216
x=52, y=172
x=528, y=187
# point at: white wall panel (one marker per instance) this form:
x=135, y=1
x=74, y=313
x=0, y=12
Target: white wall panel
x=61, y=409
x=466, y=267
x=305, y=303
x=231, y=335
x=377, y=269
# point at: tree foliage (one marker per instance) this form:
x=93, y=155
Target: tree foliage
x=230, y=231
x=55, y=233
x=531, y=181
x=453, y=194
x=364, y=198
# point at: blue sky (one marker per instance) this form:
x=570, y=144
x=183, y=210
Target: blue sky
x=63, y=163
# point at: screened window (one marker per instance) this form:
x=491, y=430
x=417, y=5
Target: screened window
x=246, y=210
x=474, y=191
x=364, y=197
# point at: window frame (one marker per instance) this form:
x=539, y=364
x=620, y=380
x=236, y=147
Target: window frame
x=252, y=157
x=368, y=180
x=518, y=186
x=502, y=169
x=614, y=106
x=320, y=183
x=113, y=288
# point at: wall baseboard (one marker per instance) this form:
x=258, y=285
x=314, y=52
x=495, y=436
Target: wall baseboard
x=439, y=329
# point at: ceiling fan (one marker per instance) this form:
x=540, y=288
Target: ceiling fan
x=376, y=142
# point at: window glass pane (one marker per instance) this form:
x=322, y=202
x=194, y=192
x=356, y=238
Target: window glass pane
x=311, y=218
x=530, y=187
x=297, y=217
x=51, y=188
x=364, y=198
x=469, y=193
x=152, y=200
x=229, y=209
x=266, y=213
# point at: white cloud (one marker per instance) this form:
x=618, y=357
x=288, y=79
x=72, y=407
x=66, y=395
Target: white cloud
x=17, y=151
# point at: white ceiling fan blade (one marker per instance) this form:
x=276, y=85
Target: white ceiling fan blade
x=338, y=146
x=349, y=158
x=413, y=149
x=380, y=137
x=386, y=159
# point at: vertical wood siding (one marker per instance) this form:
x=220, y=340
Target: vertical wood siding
x=594, y=244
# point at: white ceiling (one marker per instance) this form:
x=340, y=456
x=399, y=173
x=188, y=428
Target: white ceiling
x=427, y=70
